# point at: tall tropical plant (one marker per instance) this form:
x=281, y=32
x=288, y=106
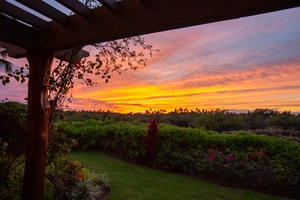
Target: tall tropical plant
x=3, y=62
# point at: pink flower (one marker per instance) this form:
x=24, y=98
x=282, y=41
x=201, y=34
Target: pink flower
x=230, y=157
x=79, y=176
x=252, y=156
x=88, y=80
x=211, y=158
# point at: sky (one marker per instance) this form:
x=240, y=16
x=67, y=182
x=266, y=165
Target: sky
x=239, y=65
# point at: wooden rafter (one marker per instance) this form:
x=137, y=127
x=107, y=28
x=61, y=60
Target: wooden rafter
x=124, y=19
x=111, y=5
x=144, y=2
x=135, y=19
x=12, y=49
x=46, y=10
x=18, y=34
x=77, y=7
x=22, y=15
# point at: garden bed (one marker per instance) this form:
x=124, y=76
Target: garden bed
x=253, y=161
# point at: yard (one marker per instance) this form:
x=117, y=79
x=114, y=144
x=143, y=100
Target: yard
x=134, y=182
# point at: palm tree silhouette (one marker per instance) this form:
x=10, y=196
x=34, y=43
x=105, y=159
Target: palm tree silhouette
x=4, y=62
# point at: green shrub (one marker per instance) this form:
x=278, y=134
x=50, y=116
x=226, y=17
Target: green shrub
x=122, y=138
x=189, y=149
x=12, y=188
x=85, y=189
x=12, y=143
x=71, y=181
x=185, y=161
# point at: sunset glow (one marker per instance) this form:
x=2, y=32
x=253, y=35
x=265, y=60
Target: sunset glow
x=241, y=64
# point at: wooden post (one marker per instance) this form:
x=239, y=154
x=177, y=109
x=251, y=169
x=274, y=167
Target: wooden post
x=37, y=124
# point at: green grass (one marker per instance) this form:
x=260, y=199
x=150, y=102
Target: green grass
x=133, y=182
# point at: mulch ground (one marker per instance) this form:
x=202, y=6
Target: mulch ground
x=106, y=191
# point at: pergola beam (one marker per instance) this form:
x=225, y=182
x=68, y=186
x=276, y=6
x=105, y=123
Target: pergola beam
x=111, y=5
x=46, y=10
x=13, y=49
x=22, y=15
x=18, y=34
x=132, y=17
x=136, y=19
x=21, y=52
x=144, y=2
x=77, y=7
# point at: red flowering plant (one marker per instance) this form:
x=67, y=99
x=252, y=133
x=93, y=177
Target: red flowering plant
x=220, y=163
x=79, y=176
x=151, y=139
x=254, y=166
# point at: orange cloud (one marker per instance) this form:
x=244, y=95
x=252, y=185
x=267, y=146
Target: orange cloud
x=275, y=87
x=239, y=64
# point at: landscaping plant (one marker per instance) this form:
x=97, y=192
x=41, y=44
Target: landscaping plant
x=151, y=139
x=258, y=160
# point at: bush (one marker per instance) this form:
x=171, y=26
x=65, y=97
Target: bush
x=12, y=139
x=72, y=181
x=12, y=188
x=122, y=138
x=90, y=187
x=151, y=140
x=275, y=161
x=62, y=174
x=255, y=167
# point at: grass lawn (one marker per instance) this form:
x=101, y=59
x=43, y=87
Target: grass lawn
x=133, y=182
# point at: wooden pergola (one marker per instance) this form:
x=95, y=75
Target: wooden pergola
x=24, y=34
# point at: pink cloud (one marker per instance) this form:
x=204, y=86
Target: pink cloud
x=238, y=64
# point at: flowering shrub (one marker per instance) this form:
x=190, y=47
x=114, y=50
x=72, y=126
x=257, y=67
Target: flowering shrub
x=254, y=166
x=89, y=187
x=257, y=160
x=63, y=174
x=219, y=163
x=85, y=189
x=72, y=181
